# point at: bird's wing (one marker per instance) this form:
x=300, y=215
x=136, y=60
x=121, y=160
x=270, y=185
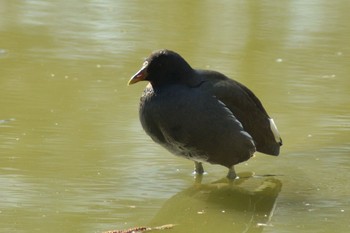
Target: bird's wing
x=248, y=109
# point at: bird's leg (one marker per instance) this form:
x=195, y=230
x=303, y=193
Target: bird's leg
x=198, y=168
x=231, y=175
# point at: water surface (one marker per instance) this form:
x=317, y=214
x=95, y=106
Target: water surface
x=74, y=158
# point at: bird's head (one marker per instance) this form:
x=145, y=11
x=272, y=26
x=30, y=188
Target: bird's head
x=162, y=67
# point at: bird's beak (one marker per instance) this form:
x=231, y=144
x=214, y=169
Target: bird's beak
x=140, y=75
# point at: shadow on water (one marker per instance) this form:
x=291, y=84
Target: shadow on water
x=245, y=205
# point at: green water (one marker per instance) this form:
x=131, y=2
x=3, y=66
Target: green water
x=74, y=158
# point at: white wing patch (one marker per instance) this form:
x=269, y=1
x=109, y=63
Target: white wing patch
x=274, y=130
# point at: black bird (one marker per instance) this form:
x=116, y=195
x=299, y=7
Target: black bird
x=202, y=115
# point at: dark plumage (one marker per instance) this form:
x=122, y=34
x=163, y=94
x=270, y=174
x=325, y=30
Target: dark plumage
x=202, y=115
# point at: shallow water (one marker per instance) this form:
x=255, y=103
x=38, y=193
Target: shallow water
x=73, y=156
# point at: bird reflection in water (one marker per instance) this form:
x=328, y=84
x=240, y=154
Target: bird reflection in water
x=243, y=205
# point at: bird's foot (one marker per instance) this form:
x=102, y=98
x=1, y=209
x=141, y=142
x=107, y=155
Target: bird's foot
x=198, y=168
x=198, y=172
x=231, y=175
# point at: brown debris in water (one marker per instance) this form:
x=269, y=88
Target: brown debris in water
x=141, y=229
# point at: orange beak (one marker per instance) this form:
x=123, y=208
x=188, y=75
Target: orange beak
x=141, y=75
